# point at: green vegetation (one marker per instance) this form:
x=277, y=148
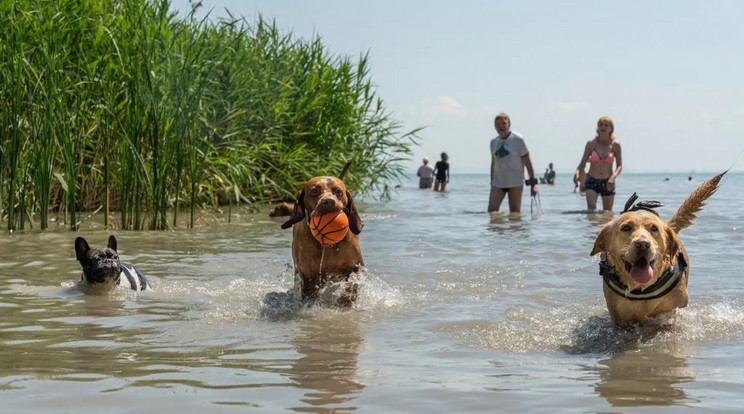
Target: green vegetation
x=123, y=105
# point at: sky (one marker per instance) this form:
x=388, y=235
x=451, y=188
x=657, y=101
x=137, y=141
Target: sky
x=668, y=72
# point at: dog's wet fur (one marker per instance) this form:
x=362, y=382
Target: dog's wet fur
x=102, y=268
x=640, y=247
x=318, y=266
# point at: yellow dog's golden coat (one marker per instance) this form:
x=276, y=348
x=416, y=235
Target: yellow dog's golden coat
x=643, y=237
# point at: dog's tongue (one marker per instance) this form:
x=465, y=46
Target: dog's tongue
x=641, y=271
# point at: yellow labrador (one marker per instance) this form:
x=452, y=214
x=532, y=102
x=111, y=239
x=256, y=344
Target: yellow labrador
x=644, y=265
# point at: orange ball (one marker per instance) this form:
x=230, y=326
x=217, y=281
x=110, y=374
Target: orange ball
x=329, y=228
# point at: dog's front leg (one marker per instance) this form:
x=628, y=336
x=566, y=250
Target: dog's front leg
x=309, y=286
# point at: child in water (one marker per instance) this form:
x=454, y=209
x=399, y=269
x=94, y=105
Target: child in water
x=441, y=172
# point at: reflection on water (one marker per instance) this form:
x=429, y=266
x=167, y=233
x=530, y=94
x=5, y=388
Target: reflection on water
x=87, y=335
x=508, y=223
x=644, y=377
x=646, y=365
x=327, y=367
x=600, y=218
x=327, y=342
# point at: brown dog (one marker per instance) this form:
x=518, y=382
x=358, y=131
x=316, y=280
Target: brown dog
x=317, y=265
x=282, y=209
x=644, y=265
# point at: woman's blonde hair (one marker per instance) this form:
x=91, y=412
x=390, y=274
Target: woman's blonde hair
x=607, y=120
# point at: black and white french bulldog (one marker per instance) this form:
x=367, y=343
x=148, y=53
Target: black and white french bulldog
x=102, y=268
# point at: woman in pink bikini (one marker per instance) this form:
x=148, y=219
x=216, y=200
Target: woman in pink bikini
x=601, y=152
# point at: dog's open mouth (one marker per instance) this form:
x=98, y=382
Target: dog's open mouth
x=642, y=271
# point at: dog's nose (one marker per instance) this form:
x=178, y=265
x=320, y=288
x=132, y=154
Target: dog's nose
x=642, y=244
x=328, y=202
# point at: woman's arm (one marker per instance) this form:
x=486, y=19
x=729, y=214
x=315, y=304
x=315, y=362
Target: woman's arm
x=618, y=151
x=584, y=159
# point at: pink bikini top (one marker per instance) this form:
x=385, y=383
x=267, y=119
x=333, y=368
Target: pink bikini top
x=594, y=158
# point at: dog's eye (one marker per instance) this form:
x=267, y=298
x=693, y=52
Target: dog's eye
x=338, y=192
x=654, y=228
x=626, y=227
x=314, y=192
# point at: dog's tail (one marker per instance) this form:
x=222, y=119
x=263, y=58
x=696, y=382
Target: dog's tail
x=695, y=202
x=343, y=170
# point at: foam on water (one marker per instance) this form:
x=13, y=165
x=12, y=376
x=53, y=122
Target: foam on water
x=588, y=330
x=271, y=297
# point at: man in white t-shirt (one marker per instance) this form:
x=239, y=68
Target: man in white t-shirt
x=426, y=174
x=509, y=158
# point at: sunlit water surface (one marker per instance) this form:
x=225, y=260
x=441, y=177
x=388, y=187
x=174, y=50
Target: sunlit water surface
x=460, y=311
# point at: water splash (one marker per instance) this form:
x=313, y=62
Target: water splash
x=578, y=330
x=373, y=295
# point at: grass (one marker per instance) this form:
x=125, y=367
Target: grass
x=125, y=106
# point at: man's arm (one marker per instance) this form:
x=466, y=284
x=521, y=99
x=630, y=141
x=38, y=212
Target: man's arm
x=530, y=172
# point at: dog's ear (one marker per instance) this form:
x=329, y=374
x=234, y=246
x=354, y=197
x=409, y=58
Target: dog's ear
x=112, y=242
x=672, y=243
x=81, y=247
x=299, y=211
x=599, y=243
x=355, y=222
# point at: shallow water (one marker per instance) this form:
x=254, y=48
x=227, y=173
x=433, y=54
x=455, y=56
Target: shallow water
x=460, y=311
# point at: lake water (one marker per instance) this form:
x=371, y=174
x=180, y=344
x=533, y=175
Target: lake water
x=461, y=311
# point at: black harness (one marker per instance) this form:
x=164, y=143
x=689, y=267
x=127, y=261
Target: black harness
x=665, y=284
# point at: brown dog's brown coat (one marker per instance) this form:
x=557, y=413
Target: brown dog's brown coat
x=642, y=235
x=317, y=265
x=282, y=209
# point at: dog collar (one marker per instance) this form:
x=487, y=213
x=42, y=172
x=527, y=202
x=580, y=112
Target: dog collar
x=668, y=281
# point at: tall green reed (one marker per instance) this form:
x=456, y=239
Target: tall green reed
x=12, y=152
x=151, y=113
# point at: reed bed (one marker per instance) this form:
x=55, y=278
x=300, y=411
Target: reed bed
x=126, y=107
